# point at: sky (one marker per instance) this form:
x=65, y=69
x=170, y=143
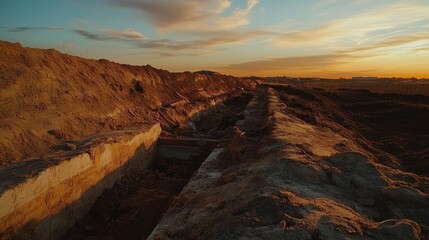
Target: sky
x=306, y=38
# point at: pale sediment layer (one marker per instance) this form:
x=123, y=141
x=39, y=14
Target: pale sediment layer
x=42, y=198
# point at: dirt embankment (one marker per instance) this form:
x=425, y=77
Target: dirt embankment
x=306, y=169
x=48, y=98
x=132, y=208
x=391, y=127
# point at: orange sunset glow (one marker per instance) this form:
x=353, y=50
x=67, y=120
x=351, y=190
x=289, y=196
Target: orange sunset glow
x=328, y=38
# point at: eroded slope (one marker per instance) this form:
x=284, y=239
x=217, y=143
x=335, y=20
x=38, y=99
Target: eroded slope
x=48, y=98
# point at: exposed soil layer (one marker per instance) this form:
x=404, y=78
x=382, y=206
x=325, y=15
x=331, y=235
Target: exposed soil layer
x=133, y=206
x=48, y=98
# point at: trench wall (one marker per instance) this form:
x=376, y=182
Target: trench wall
x=41, y=199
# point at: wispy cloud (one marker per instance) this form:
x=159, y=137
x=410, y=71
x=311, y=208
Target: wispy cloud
x=238, y=18
x=330, y=3
x=123, y=34
x=359, y=28
x=168, y=14
x=138, y=39
x=164, y=54
x=91, y=35
x=328, y=65
x=422, y=49
x=175, y=54
x=111, y=34
x=28, y=28
x=395, y=41
x=287, y=63
x=190, y=15
x=230, y=38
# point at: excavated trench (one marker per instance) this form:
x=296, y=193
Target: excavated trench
x=132, y=208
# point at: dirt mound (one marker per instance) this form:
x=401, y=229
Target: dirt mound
x=47, y=98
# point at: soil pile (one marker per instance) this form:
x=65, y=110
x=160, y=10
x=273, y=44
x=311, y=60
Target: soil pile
x=48, y=98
